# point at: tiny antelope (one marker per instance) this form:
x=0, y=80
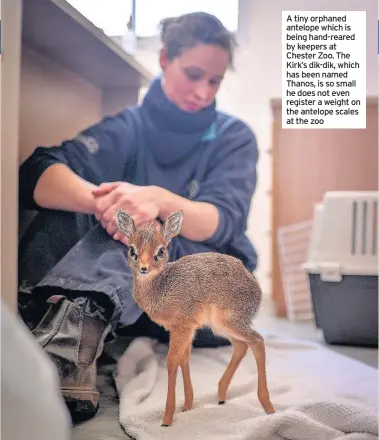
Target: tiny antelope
x=205, y=289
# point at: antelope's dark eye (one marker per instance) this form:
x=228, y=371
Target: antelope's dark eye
x=160, y=254
x=133, y=253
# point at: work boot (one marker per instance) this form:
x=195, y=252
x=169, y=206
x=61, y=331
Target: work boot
x=74, y=341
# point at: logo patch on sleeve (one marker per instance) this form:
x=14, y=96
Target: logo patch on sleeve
x=193, y=189
x=89, y=142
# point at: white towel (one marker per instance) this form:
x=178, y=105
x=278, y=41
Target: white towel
x=317, y=393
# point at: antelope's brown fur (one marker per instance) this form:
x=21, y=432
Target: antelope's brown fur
x=204, y=289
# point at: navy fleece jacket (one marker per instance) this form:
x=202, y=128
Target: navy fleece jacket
x=207, y=156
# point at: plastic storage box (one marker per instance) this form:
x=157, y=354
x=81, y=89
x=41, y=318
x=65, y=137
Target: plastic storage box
x=342, y=268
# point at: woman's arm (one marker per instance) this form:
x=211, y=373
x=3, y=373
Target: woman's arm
x=60, y=188
x=63, y=177
x=200, y=221
x=200, y=218
x=219, y=212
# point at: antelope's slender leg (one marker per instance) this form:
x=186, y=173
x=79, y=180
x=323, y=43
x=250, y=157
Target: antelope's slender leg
x=188, y=389
x=258, y=347
x=239, y=352
x=180, y=338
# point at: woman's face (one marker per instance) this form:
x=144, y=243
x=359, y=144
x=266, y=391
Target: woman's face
x=192, y=79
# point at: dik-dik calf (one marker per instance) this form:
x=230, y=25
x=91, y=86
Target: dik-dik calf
x=205, y=289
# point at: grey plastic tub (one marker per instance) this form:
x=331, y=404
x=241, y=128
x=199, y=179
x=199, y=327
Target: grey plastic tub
x=346, y=311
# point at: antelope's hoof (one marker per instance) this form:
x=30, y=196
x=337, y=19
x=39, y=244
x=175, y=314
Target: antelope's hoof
x=187, y=407
x=167, y=420
x=221, y=402
x=166, y=426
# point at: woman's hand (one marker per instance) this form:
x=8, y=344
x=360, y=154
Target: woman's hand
x=138, y=201
x=146, y=203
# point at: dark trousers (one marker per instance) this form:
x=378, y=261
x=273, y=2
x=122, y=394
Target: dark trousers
x=61, y=252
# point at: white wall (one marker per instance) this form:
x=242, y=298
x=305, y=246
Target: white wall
x=257, y=78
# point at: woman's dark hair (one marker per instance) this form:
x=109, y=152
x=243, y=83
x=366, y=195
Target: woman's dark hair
x=188, y=30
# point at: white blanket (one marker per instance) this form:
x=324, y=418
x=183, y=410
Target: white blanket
x=318, y=395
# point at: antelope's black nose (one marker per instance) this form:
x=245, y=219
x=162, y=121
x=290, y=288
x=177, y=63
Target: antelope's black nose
x=143, y=269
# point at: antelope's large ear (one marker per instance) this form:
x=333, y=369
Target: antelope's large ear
x=125, y=223
x=172, y=226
